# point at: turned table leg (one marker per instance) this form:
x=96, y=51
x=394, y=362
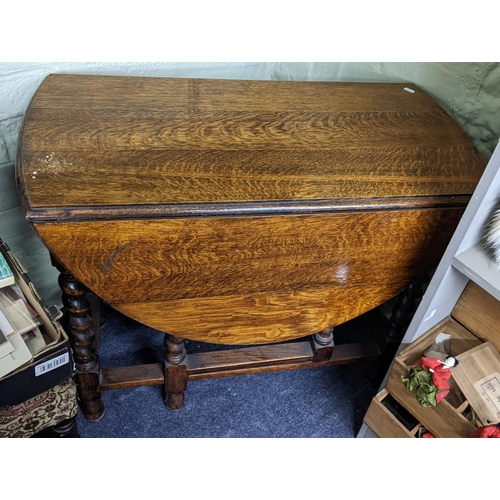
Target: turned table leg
x=401, y=316
x=78, y=323
x=322, y=344
x=175, y=372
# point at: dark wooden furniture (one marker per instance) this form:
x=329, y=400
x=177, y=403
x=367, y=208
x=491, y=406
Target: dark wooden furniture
x=236, y=212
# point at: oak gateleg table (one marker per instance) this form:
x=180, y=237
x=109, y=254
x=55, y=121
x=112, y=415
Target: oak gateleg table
x=256, y=214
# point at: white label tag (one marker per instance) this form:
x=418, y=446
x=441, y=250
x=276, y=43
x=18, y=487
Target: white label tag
x=52, y=364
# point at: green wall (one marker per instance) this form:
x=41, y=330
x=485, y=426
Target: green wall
x=468, y=91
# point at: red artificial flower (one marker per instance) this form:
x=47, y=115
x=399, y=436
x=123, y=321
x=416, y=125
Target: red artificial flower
x=439, y=377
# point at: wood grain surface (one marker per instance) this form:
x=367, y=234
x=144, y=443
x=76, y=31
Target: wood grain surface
x=112, y=141
x=461, y=340
x=443, y=420
x=383, y=422
x=232, y=279
x=479, y=311
x=180, y=94
x=242, y=212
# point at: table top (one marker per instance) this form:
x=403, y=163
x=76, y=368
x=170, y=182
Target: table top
x=91, y=144
x=242, y=212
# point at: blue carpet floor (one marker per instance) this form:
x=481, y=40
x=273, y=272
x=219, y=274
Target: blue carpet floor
x=325, y=402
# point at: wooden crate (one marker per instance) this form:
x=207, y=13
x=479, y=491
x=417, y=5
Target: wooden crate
x=445, y=420
x=479, y=312
x=462, y=339
x=386, y=420
x=475, y=320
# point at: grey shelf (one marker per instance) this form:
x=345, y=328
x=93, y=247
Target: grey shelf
x=480, y=268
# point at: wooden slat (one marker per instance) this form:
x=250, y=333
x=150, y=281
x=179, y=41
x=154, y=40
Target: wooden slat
x=172, y=176
x=478, y=376
x=479, y=311
x=132, y=376
x=250, y=356
x=105, y=92
x=344, y=353
x=461, y=341
x=244, y=361
x=110, y=130
x=264, y=359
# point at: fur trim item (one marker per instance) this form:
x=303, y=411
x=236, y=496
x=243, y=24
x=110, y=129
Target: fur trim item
x=490, y=237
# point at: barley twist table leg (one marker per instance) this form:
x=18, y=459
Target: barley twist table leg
x=77, y=322
x=402, y=314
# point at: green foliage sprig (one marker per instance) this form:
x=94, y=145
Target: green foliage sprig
x=420, y=382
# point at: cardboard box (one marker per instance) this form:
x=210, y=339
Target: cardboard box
x=51, y=365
